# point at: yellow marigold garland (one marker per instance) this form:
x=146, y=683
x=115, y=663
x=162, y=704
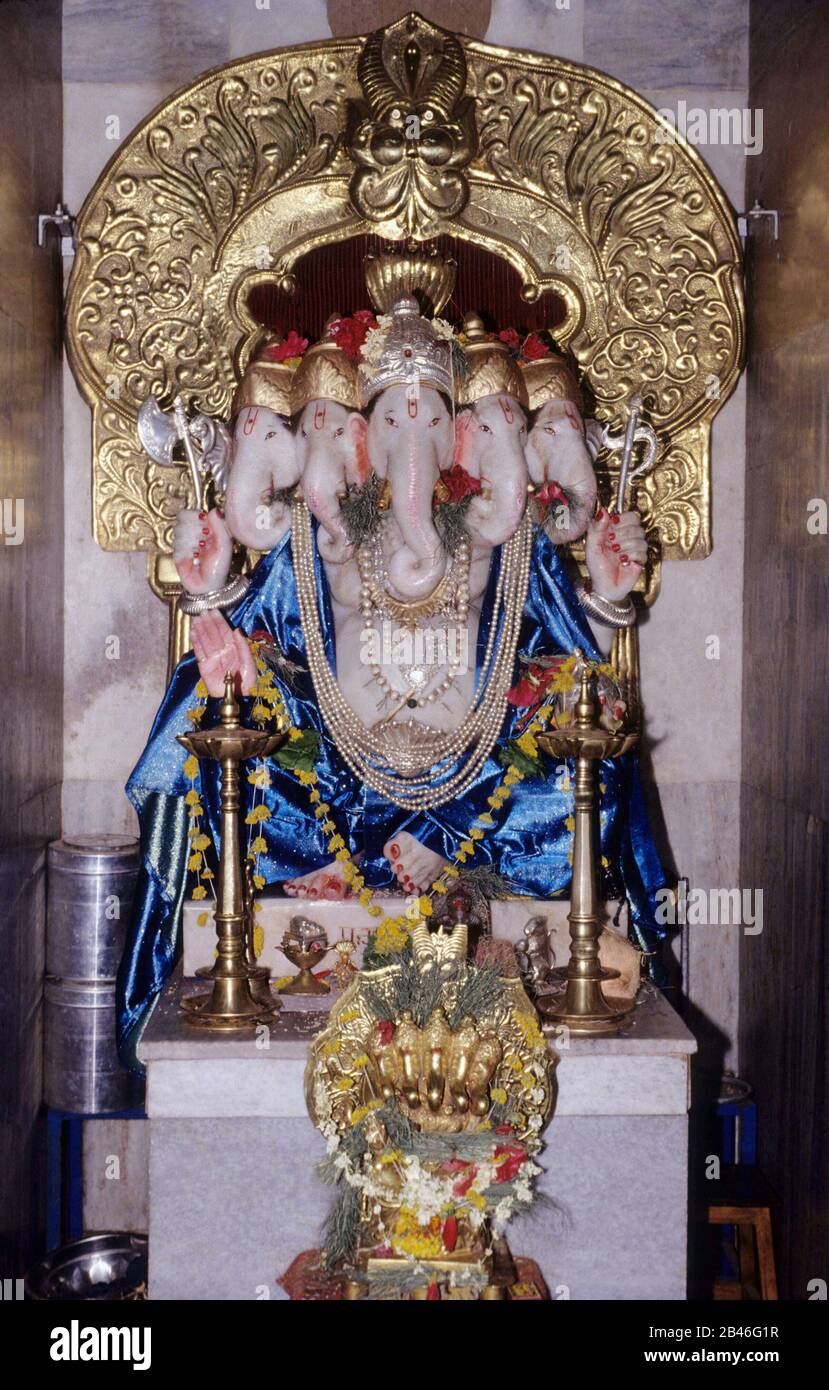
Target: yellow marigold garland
x=522, y=759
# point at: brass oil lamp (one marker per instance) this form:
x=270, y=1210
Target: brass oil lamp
x=237, y=999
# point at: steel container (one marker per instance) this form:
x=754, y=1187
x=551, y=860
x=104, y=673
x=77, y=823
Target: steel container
x=91, y=884
x=81, y=1071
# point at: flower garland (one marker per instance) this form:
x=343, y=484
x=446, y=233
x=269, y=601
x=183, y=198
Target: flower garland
x=520, y=758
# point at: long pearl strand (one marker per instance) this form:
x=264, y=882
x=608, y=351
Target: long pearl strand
x=363, y=750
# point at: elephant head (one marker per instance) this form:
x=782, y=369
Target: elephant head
x=491, y=438
x=264, y=461
x=410, y=440
x=331, y=449
x=557, y=453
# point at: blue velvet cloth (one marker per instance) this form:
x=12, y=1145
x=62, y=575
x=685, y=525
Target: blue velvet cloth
x=530, y=845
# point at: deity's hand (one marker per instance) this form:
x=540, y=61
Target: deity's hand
x=615, y=551
x=202, y=550
x=220, y=648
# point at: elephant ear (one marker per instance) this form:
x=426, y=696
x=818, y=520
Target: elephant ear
x=594, y=438
x=361, y=470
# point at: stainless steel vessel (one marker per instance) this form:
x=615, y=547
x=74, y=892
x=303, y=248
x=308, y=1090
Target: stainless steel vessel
x=90, y=891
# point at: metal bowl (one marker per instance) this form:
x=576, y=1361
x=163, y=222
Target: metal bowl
x=108, y=1266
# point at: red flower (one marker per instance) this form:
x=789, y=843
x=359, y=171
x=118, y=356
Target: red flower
x=532, y=686
x=511, y=338
x=504, y=1129
x=350, y=334
x=458, y=483
x=513, y=1157
x=450, y=1233
x=534, y=348
x=292, y=346
x=385, y=1028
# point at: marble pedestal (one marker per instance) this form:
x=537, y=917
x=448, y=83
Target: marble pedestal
x=233, y=1196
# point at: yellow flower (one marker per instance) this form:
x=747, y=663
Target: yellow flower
x=362, y=1061
x=529, y=1028
x=208, y=873
x=202, y=919
x=260, y=713
x=486, y=818
x=306, y=778
x=199, y=893
x=259, y=845
x=363, y=1110
x=528, y=745
x=200, y=691
x=499, y=1095
x=475, y=1199
x=258, y=939
x=344, y=1083
x=259, y=813
x=194, y=862
x=476, y=834
x=260, y=777
x=336, y=842
x=438, y=887
x=201, y=841
x=569, y=823
x=196, y=809
x=293, y=735
x=467, y=846
x=192, y=798
x=258, y=881
x=425, y=906
x=450, y=872
x=375, y=911
x=191, y=767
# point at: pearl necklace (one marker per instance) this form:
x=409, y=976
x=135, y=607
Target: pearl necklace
x=364, y=750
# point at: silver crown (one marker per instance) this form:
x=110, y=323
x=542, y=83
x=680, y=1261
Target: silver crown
x=411, y=355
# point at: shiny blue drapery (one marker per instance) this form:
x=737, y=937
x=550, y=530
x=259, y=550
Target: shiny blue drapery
x=530, y=845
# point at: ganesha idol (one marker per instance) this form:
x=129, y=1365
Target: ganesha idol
x=410, y=491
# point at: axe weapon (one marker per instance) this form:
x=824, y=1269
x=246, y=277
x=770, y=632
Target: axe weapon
x=635, y=433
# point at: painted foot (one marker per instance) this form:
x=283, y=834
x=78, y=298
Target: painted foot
x=415, y=866
x=326, y=883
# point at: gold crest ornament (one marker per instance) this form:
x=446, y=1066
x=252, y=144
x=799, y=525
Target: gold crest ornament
x=412, y=355
x=414, y=132
x=551, y=378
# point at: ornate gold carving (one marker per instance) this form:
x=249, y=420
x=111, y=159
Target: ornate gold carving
x=239, y=175
x=427, y=275
x=414, y=130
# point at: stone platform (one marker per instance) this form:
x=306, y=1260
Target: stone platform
x=233, y=1195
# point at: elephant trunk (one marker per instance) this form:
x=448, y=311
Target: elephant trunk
x=420, y=563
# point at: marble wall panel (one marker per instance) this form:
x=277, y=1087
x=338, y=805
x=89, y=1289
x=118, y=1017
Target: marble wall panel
x=668, y=44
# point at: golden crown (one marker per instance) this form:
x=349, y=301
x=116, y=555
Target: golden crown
x=326, y=373
x=492, y=367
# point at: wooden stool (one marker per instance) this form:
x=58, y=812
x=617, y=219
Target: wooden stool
x=743, y=1198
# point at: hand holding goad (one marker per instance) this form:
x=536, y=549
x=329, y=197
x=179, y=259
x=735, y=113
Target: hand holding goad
x=202, y=550
x=219, y=648
x=615, y=551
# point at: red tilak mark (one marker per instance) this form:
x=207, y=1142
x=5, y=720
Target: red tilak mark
x=362, y=461
x=250, y=420
x=506, y=406
x=319, y=417
x=412, y=408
